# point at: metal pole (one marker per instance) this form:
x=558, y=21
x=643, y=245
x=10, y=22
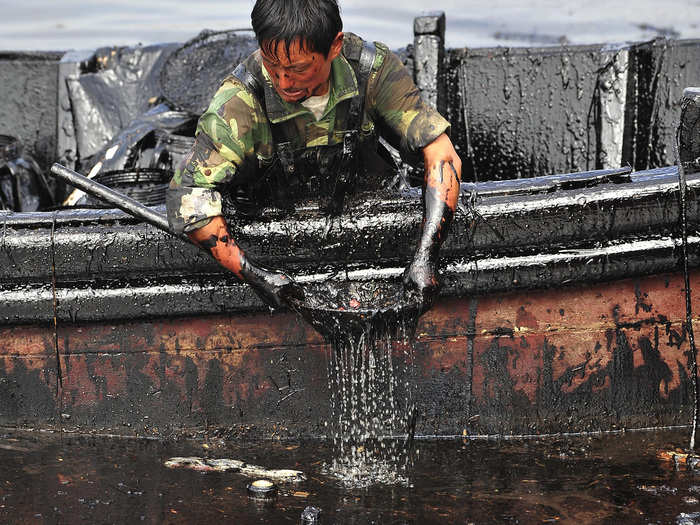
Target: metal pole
x=116, y=199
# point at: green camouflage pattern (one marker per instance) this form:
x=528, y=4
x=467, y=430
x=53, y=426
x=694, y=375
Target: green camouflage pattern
x=233, y=140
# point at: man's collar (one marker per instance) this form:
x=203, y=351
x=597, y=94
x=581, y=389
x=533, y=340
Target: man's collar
x=343, y=86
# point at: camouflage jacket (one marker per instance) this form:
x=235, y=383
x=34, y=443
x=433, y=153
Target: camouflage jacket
x=234, y=141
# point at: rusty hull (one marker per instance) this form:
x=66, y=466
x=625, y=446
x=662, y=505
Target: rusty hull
x=580, y=358
x=562, y=310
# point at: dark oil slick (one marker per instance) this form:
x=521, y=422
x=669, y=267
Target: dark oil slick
x=48, y=478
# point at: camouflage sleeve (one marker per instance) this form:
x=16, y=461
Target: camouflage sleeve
x=229, y=135
x=394, y=102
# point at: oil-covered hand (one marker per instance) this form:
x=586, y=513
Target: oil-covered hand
x=440, y=193
x=274, y=288
x=420, y=283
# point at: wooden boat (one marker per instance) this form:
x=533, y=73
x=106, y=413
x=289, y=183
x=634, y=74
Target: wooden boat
x=563, y=307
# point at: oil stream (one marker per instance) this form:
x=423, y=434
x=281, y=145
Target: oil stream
x=693, y=358
x=369, y=328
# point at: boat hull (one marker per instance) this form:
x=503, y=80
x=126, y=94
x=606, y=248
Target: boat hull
x=579, y=358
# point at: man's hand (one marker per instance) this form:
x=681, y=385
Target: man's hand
x=440, y=193
x=274, y=288
x=420, y=283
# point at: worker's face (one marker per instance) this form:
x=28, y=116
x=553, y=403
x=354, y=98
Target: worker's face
x=301, y=73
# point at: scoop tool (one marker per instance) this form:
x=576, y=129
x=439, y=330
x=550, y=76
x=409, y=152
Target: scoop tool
x=332, y=308
x=349, y=308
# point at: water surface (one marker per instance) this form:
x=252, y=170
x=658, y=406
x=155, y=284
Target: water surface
x=601, y=479
x=83, y=24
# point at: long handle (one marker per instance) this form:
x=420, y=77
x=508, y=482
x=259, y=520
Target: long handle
x=116, y=199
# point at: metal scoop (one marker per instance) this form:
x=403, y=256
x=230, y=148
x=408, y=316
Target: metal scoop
x=349, y=308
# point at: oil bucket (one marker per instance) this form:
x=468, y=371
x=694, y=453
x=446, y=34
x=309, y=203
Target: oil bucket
x=146, y=186
x=170, y=149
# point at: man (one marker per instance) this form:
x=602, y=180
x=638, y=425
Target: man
x=301, y=116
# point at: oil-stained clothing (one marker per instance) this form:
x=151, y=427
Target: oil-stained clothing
x=236, y=142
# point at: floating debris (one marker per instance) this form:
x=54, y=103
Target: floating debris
x=680, y=459
x=658, y=490
x=262, y=489
x=688, y=518
x=310, y=515
x=234, y=465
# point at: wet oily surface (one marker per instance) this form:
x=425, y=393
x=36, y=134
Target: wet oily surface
x=601, y=479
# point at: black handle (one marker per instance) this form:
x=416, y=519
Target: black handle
x=116, y=199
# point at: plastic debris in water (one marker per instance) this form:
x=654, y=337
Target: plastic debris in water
x=689, y=518
x=310, y=515
x=680, y=459
x=658, y=489
x=262, y=489
x=223, y=465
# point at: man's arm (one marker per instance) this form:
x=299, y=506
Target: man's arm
x=193, y=198
x=443, y=172
x=413, y=126
x=215, y=237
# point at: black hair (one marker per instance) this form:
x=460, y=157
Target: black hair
x=314, y=22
